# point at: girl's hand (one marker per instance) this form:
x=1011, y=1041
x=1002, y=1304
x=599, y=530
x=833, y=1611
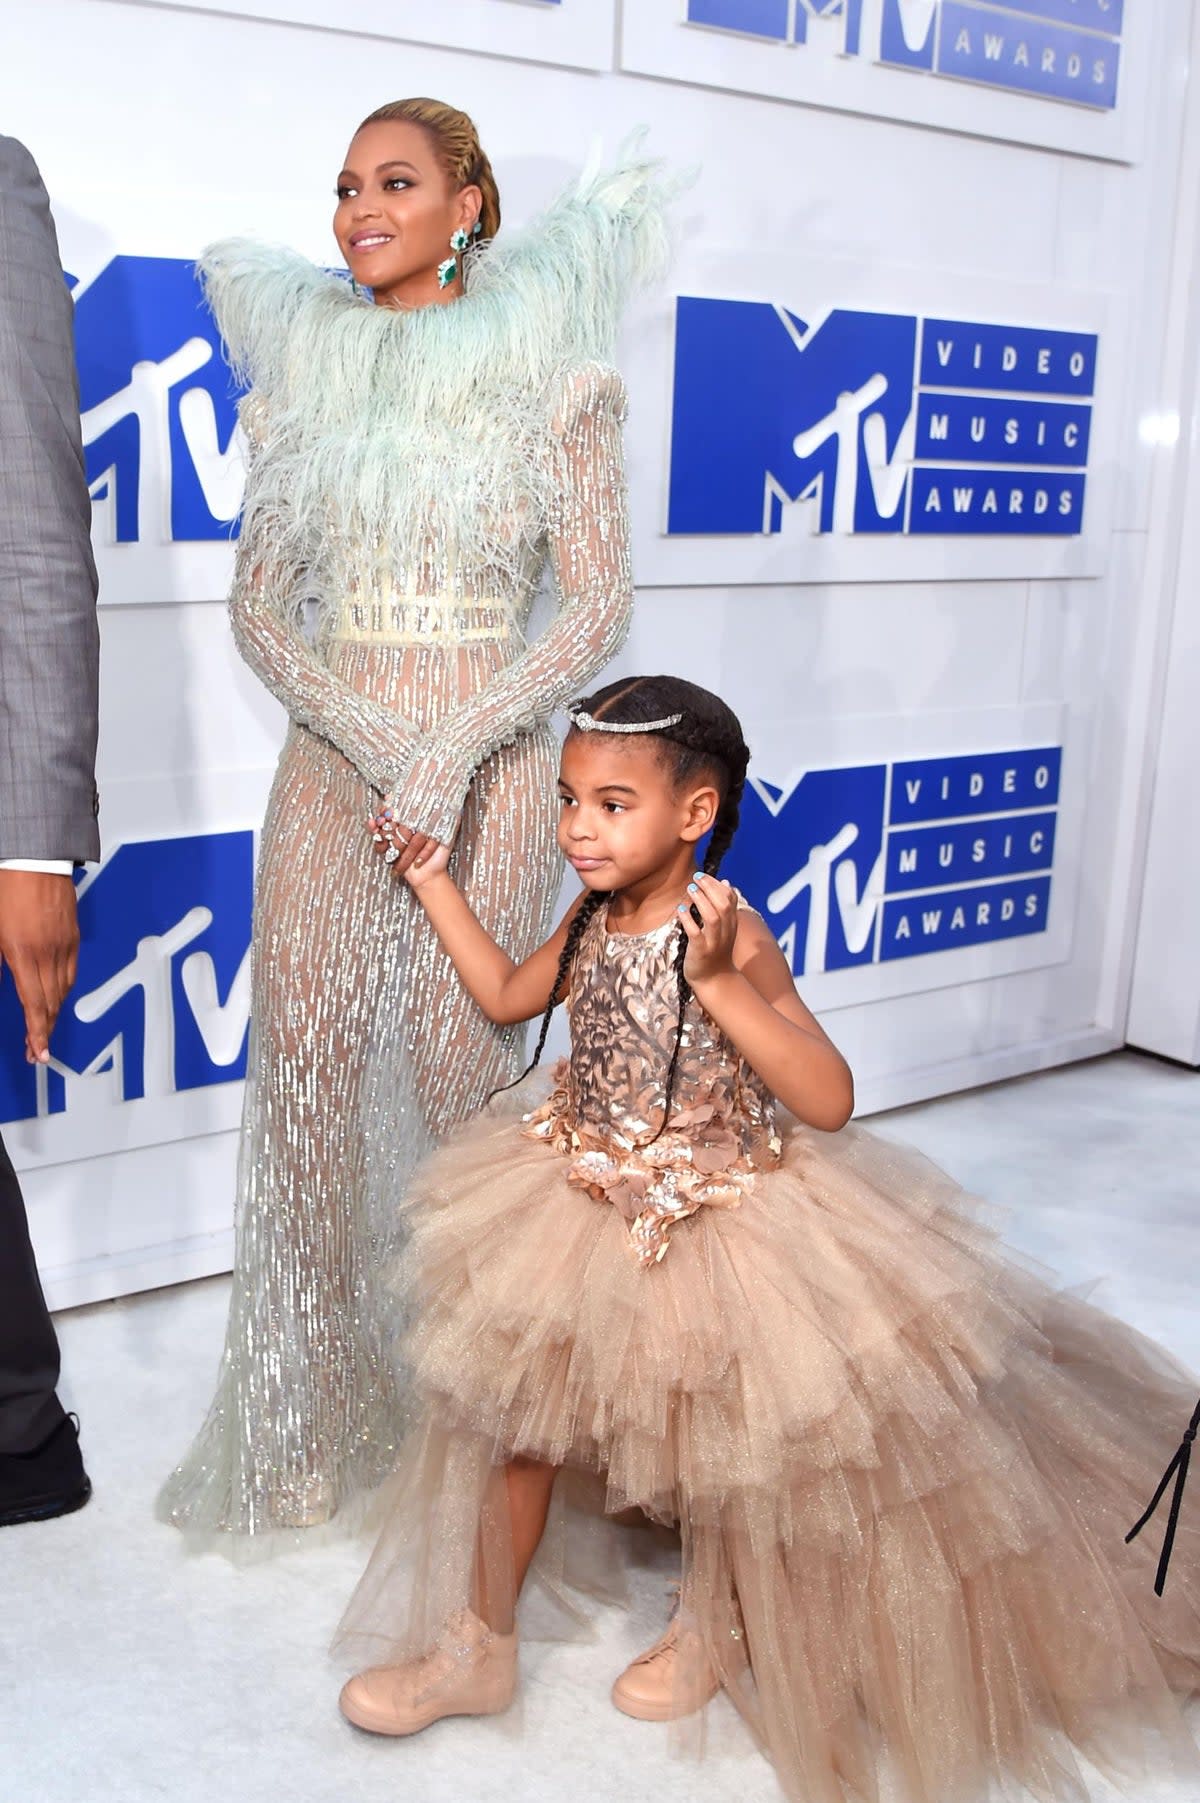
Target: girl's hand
x=710, y=945
x=402, y=849
x=431, y=862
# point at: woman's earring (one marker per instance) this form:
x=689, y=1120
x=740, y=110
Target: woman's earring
x=449, y=269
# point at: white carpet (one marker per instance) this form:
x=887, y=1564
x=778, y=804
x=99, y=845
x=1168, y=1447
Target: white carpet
x=130, y=1671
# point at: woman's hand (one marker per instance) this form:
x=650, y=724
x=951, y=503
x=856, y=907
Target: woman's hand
x=407, y=853
x=711, y=940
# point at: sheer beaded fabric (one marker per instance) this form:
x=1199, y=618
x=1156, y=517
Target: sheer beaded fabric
x=412, y=474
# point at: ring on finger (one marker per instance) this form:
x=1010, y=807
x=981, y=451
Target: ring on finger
x=391, y=854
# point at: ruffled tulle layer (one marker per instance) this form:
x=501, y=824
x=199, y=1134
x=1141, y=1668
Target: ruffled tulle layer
x=902, y=1464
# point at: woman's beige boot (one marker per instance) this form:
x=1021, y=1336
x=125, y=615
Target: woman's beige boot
x=471, y=1671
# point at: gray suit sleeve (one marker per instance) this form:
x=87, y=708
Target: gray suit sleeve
x=49, y=641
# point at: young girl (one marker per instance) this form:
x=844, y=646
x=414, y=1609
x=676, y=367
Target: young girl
x=902, y=1467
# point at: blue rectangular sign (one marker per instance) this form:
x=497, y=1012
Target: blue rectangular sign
x=990, y=782
x=1029, y=57
x=767, y=406
x=992, y=502
x=958, y=917
x=926, y=857
x=958, y=428
x=163, y=996
x=1086, y=15
x=957, y=353
x=757, y=18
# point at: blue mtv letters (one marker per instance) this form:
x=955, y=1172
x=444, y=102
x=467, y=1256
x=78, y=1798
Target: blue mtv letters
x=812, y=862
x=768, y=411
x=158, y=402
x=877, y=862
x=162, y=998
x=883, y=422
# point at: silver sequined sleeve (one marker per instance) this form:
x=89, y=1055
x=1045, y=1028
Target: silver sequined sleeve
x=588, y=537
x=265, y=607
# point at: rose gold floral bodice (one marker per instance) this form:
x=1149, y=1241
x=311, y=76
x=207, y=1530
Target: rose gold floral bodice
x=608, y=1098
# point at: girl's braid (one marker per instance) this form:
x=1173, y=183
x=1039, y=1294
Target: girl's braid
x=711, y=742
x=684, y=989
x=582, y=915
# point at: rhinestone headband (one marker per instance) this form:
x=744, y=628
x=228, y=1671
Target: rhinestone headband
x=589, y=723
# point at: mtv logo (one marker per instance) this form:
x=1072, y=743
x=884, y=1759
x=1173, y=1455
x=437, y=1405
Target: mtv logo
x=162, y=1000
x=769, y=410
x=811, y=859
x=879, y=862
x=876, y=422
x=159, y=406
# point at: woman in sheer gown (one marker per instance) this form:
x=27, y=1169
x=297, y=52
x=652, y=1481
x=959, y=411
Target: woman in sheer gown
x=414, y=467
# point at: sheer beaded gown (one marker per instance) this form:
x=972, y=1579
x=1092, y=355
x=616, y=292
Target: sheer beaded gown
x=412, y=473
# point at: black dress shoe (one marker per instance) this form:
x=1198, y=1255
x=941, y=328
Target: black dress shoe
x=49, y=1481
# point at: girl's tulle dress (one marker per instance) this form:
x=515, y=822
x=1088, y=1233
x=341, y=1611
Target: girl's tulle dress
x=902, y=1465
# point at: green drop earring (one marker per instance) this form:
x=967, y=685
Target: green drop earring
x=449, y=269
x=459, y=241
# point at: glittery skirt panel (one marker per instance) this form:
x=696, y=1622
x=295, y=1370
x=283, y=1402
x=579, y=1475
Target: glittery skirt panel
x=364, y=1051
x=902, y=1463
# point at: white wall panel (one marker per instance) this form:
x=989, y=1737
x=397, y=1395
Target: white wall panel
x=1164, y=1013
x=577, y=33
x=159, y=128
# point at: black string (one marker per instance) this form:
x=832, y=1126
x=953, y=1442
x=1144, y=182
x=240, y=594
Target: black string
x=1177, y=1469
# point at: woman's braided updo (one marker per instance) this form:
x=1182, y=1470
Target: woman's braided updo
x=707, y=741
x=456, y=145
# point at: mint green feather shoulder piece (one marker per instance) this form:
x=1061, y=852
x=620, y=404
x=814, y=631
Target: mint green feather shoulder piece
x=549, y=296
x=256, y=292
x=432, y=433
x=571, y=273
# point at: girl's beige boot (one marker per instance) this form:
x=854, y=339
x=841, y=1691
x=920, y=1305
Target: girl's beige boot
x=471, y=1671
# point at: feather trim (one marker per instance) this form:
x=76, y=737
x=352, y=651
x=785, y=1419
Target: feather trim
x=417, y=447
x=560, y=284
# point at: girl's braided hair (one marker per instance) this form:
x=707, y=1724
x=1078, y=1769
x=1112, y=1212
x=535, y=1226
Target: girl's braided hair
x=706, y=741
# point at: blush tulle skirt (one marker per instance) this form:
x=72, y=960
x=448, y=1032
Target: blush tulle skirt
x=902, y=1464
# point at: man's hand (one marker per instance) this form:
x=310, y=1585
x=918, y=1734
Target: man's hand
x=39, y=941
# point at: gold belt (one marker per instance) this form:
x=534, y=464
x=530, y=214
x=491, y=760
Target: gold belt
x=424, y=620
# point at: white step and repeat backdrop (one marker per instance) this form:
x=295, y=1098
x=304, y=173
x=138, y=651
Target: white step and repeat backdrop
x=894, y=424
